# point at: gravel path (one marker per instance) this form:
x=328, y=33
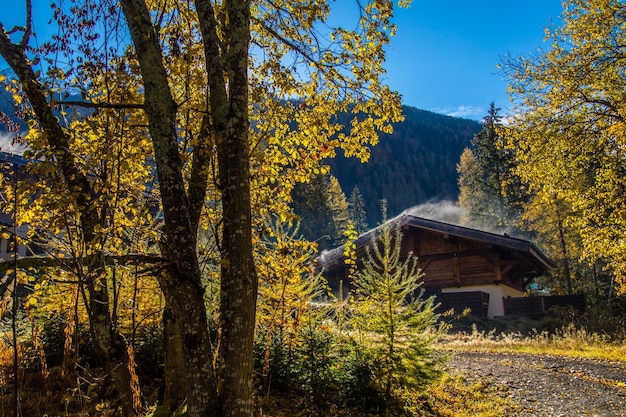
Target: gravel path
x=550, y=386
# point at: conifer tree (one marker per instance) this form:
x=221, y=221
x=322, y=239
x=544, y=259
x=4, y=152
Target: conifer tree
x=323, y=210
x=472, y=197
x=390, y=305
x=356, y=211
x=491, y=192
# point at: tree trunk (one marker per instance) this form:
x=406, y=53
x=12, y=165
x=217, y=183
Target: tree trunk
x=230, y=124
x=181, y=286
x=174, y=373
x=198, y=385
x=109, y=344
x=238, y=279
x=564, y=252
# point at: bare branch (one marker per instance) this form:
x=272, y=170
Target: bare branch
x=93, y=105
x=50, y=262
x=29, y=24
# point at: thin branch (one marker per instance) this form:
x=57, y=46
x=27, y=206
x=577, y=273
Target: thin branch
x=602, y=102
x=93, y=105
x=29, y=24
x=287, y=42
x=27, y=29
x=49, y=262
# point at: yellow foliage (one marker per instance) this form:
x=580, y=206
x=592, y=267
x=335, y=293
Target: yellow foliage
x=309, y=97
x=571, y=126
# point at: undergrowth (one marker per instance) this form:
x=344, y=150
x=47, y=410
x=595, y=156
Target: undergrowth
x=449, y=396
x=341, y=376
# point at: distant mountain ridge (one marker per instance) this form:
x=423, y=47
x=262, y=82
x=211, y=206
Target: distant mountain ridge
x=413, y=165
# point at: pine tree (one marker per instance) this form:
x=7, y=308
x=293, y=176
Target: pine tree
x=322, y=208
x=491, y=191
x=356, y=211
x=339, y=210
x=390, y=307
x=472, y=197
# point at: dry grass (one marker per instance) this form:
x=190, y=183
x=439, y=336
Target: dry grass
x=568, y=341
x=455, y=396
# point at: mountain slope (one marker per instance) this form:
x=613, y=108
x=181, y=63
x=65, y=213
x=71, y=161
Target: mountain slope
x=415, y=164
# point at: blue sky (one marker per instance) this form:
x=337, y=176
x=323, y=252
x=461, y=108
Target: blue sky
x=445, y=55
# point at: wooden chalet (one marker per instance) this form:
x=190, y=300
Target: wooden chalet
x=460, y=264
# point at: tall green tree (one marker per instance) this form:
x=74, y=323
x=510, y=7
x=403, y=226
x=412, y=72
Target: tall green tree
x=323, y=210
x=490, y=190
x=472, y=197
x=210, y=80
x=356, y=211
x=570, y=124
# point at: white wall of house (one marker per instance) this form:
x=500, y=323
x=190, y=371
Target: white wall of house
x=496, y=294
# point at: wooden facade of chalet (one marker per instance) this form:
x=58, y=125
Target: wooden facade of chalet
x=456, y=261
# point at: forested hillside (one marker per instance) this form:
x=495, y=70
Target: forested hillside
x=415, y=164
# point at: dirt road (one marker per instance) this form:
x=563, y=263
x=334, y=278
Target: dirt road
x=550, y=386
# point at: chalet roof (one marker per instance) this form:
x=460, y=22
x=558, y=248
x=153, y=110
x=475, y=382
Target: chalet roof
x=407, y=220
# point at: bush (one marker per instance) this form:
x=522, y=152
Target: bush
x=149, y=353
x=357, y=378
x=314, y=364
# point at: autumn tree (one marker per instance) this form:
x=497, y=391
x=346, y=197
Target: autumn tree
x=208, y=83
x=570, y=124
x=86, y=192
x=548, y=218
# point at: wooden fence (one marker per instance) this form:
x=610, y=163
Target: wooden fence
x=536, y=307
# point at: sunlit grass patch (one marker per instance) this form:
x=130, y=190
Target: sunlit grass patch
x=455, y=396
x=568, y=341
